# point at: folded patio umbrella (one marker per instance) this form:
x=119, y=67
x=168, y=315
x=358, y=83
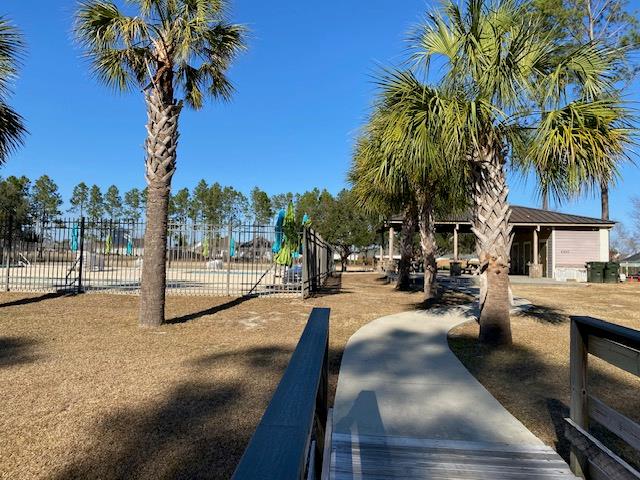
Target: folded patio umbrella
x=74, y=238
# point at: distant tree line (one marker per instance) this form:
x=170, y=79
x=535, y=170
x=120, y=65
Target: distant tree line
x=337, y=218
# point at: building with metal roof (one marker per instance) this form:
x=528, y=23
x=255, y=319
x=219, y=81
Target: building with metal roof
x=545, y=243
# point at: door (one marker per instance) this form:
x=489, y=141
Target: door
x=515, y=259
x=526, y=257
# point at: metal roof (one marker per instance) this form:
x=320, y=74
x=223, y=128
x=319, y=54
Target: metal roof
x=528, y=216
x=632, y=258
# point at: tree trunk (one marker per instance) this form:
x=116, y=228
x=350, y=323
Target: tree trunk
x=406, y=247
x=604, y=199
x=490, y=224
x=545, y=198
x=427, y=227
x=161, y=143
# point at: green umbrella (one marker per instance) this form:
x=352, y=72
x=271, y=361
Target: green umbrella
x=108, y=245
x=205, y=247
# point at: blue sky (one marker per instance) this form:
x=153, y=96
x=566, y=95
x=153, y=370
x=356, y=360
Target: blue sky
x=304, y=88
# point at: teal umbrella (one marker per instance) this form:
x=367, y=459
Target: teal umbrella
x=74, y=238
x=277, y=244
x=129, y=246
x=232, y=249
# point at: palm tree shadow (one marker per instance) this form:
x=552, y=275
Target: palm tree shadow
x=198, y=430
x=210, y=311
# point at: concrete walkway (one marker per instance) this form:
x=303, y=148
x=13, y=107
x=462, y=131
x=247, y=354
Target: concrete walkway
x=400, y=383
x=398, y=377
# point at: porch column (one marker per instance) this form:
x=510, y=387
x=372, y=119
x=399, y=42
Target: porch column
x=455, y=242
x=535, y=245
x=391, y=235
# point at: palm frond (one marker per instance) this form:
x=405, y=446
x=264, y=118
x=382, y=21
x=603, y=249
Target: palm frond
x=11, y=51
x=12, y=131
x=581, y=144
x=186, y=43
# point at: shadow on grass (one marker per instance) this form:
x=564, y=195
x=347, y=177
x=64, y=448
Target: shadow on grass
x=546, y=314
x=209, y=311
x=16, y=351
x=537, y=390
x=199, y=429
x=332, y=286
x=40, y=298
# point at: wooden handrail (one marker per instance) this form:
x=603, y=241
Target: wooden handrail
x=619, y=346
x=608, y=331
x=296, y=417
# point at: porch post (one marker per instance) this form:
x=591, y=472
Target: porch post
x=455, y=243
x=391, y=235
x=535, y=245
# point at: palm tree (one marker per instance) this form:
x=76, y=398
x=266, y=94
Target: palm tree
x=498, y=64
x=380, y=198
x=409, y=174
x=168, y=49
x=12, y=129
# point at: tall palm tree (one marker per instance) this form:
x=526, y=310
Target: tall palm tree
x=12, y=129
x=169, y=49
x=497, y=65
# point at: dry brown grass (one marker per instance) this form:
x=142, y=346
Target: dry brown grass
x=531, y=378
x=85, y=393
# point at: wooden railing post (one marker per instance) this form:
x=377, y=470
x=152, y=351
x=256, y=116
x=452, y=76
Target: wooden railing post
x=579, y=394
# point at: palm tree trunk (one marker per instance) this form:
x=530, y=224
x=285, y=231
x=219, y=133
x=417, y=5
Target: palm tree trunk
x=490, y=224
x=604, y=199
x=406, y=247
x=426, y=226
x=161, y=143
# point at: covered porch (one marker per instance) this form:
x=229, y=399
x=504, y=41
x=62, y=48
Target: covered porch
x=546, y=244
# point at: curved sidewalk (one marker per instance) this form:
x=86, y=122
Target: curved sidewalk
x=400, y=386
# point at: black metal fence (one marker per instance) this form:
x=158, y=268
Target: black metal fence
x=319, y=261
x=106, y=255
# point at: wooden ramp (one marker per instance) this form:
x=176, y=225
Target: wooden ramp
x=369, y=457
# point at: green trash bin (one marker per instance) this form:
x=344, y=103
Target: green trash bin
x=595, y=272
x=612, y=272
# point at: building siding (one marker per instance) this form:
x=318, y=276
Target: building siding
x=573, y=248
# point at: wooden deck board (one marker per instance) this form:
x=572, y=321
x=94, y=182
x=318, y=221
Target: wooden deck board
x=384, y=458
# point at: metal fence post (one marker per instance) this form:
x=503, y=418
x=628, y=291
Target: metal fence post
x=7, y=247
x=229, y=260
x=305, y=262
x=80, y=263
